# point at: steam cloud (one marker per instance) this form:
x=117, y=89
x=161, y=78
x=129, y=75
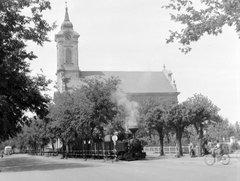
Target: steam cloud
x=130, y=107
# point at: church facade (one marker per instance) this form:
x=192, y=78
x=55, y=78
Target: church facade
x=138, y=85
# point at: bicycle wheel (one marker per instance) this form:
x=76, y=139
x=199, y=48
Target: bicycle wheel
x=225, y=159
x=209, y=159
x=238, y=155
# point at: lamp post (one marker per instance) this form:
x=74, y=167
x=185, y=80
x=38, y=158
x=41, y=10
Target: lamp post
x=115, y=138
x=84, y=148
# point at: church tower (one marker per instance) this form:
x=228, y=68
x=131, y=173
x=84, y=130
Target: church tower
x=67, y=56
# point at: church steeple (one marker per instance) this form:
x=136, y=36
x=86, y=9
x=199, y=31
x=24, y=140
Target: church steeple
x=66, y=25
x=67, y=54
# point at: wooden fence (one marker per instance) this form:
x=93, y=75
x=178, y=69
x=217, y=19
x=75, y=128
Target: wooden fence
x=173, y=149
x=167, y=150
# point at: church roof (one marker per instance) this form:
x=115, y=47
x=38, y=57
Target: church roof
x=139, y=81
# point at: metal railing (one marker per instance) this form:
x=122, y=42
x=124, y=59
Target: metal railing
x=85, y=154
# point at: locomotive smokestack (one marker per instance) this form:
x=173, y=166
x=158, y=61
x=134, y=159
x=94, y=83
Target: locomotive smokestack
x=133, y=129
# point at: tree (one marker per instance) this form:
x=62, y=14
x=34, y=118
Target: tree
x=68, y=115
x=152, y=114
x=50, y=131
x=210, y=19
x=117, y=122
x=20, y=141
x=85, y=113
x=221, y=131
x=19, y=92
x=202, y=113
x=34, y=136
x=192, y=134
x=99, y=92
x=178, y=120
x=155, y=120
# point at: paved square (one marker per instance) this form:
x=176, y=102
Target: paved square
x=167, y=168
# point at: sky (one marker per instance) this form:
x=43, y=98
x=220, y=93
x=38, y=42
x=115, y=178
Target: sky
x=123, y=35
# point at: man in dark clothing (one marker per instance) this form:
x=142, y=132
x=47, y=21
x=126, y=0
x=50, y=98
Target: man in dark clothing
x=204, y=147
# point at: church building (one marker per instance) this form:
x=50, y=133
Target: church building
x=137, y=85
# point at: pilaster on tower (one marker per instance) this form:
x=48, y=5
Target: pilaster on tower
x=67, y=54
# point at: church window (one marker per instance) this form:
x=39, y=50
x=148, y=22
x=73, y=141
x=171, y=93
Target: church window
x=68, y=55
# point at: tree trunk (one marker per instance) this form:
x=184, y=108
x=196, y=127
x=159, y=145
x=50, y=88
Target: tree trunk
x=161, y=137
x=63, y=148
x=161, y=144
x=200, y=142
x=53, y=146
x=179, y=141
x=42, y=149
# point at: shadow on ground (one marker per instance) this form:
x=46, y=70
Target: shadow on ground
x=33, y=164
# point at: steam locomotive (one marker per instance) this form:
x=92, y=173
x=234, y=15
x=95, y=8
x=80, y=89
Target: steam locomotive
x=130, y=148
x=126, y=147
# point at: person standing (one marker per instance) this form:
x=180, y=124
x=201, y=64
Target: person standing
x=210, y=146
x=191, y=150
x=204, y=147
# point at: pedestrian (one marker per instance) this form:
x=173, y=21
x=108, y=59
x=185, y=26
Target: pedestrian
x=191, y=150
x=204, y=147
x=210, y=146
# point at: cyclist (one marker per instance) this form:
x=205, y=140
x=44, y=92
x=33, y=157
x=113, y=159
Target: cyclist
x=210, y=146
x=219, y=149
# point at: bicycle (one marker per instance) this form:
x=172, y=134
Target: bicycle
x=211, y=159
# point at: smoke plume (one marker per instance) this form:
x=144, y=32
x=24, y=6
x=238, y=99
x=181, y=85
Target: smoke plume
x=130, y=108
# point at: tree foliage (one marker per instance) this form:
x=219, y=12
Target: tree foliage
x=99, y=91
x=153, y=113
x=221, y=131
x=19, y=92
x=237, y=130
x=68, y=115
x=85, y=113
x=202, y=113
x=155, y=120
x=178, y=120
x=209, y=19
x=35, y=135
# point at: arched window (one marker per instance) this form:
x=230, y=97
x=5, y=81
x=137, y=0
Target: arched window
x=68, y=55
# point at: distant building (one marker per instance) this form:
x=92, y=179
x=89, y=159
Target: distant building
x=137, y=85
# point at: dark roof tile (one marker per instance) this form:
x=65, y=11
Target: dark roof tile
x=138, y=82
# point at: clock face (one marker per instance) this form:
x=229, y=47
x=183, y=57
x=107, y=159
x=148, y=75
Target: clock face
x=68, y=37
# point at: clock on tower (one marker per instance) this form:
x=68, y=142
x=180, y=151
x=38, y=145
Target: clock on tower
x=68, y=37
x=67, y=54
